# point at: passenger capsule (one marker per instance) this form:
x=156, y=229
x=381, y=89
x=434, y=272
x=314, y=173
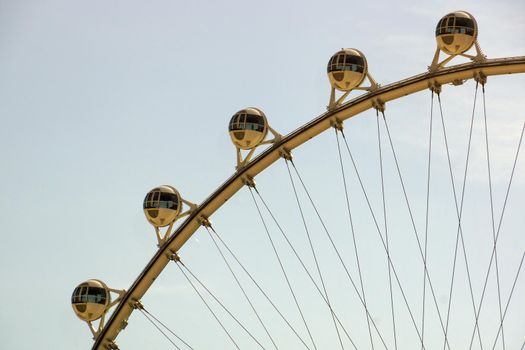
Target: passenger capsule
x=90, y=300
x=347, y=69
x=162, y=205
x=456, y=32
x=248, y=128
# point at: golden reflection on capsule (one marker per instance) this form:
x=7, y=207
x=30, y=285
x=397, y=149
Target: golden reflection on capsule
x=90, y=300
x=456, y=32
x=248, y=128
x=347, y=69
x=162, y=205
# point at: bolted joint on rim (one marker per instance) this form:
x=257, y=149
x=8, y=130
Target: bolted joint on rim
x=337, y=124
x=285, y=153
x=248, y=181
x=378, y=105
x=435, y=87
x=136, y=305
x=204, y=221
x=457, y=82
x=112, y=346
x=480, y=78
x=174, y=256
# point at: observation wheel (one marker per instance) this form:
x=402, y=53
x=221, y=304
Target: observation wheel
x=421, y=268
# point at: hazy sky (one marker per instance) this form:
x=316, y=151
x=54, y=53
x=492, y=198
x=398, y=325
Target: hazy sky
x=100, y=101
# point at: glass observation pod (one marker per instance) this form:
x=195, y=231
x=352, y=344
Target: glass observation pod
x=347, y=69
x=248, y=128
x=456, y=32
x=90, y=300
x=162, y=205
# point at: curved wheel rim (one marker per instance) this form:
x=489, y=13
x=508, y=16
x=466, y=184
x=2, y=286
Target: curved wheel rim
x=315, y=127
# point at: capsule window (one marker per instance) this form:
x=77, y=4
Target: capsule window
x=333, y=61
x=158, y=199
x=466, y=25
x=169, y=201
x=77, y=295
x=97, y=295
x=86, y=294
x=243, y=121
x=456, y=25
x=255, y=119
x=343, y=61
x=151, y=200
x=237, y=121
x=445, y=25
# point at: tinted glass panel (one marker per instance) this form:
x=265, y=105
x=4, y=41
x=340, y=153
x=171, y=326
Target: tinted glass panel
x=352, y=67
x=75, y=297
x=96, y=295
x=232, y=122
x=168, y=197
x=452, y=25
x=355, y=60
x=168, y=200
x=89, y=295
x=252, y=118
x=464, y=22
x=253, y=126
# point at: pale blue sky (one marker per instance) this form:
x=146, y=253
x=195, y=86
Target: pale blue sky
x=101, y=101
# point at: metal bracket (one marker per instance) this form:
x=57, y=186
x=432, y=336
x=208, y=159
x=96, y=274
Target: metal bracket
x=480, y=78
x=173, y=256
x=204, y=221
x=435, y=87
x=285, y=153
x=337, y=124
x=378, y=105
x=112, y=346
x=123, y=325
x=137, y=305
x=248, y=181
x=241, y=163
x=163, y=238
x=480, y=56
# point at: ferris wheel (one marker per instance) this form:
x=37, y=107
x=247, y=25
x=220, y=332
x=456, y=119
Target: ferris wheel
x=415, y=286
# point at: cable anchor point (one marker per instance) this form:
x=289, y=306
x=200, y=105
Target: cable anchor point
x=378, y=105
x=112, y=346
x=174, y=256
x=480, y=78
x=435, y=87
x=285, y=153
x=137, y=305
x=337, y=124
x=204, y=221
x=248, y=181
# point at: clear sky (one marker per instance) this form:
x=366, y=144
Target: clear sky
x=100, y=101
